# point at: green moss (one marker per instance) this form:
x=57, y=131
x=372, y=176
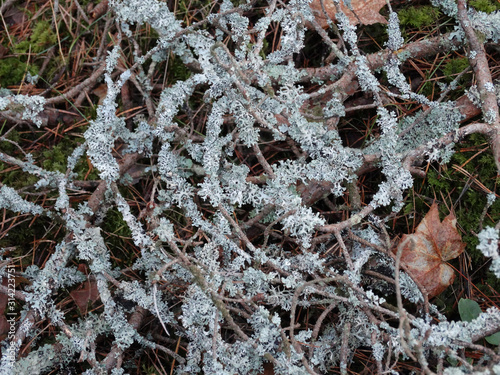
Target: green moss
x=16, y=178
x=53, y=67
x=117, y=235
x=237, y=3
x=25, y=237
x=427, y=88
x=266, y=49
x=84, y=3
x=21, y=239
x=8, y=147
x=149, y=370
x=486, y=6
x=12, y=71
x=437, y=181
x=52, y=159
x=55, y=159
x=455, y=66
x=41, y=38
x=177, y=70
x=147, y=40
x=197, y=8
x=377, y=32
x=115, y=224
x=418, y=17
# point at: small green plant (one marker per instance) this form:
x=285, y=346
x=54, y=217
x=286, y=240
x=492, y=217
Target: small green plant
x=149, y=370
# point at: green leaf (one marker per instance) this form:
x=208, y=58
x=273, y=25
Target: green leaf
x=494, y=339
x=468, y=309
x=452, y=361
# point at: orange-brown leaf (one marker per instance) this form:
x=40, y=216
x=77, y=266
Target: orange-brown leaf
x=426, y=252
x=366, y=10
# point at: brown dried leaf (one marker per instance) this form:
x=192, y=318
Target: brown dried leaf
x=88, y=293
x=268, y=369
x=426, y=252
x=101, y=91
x=99, y=10
x=17, y=15
x=366, y=10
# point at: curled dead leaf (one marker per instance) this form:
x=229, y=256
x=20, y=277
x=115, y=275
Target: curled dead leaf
x=365, y=12
x=426, y=252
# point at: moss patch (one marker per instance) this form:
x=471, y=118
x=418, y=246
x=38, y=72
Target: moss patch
x=41, y=38
x=12, y=71
x=486, y=6
x=418, y=17
x=455, y=66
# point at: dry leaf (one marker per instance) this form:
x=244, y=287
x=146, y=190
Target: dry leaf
x=88, y=293
x=426, y=252
x=268, y=369
x=366, y=10
x=101, y=91
x=17, y=15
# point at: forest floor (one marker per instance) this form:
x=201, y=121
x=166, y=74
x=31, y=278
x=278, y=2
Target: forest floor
x=48, y=50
